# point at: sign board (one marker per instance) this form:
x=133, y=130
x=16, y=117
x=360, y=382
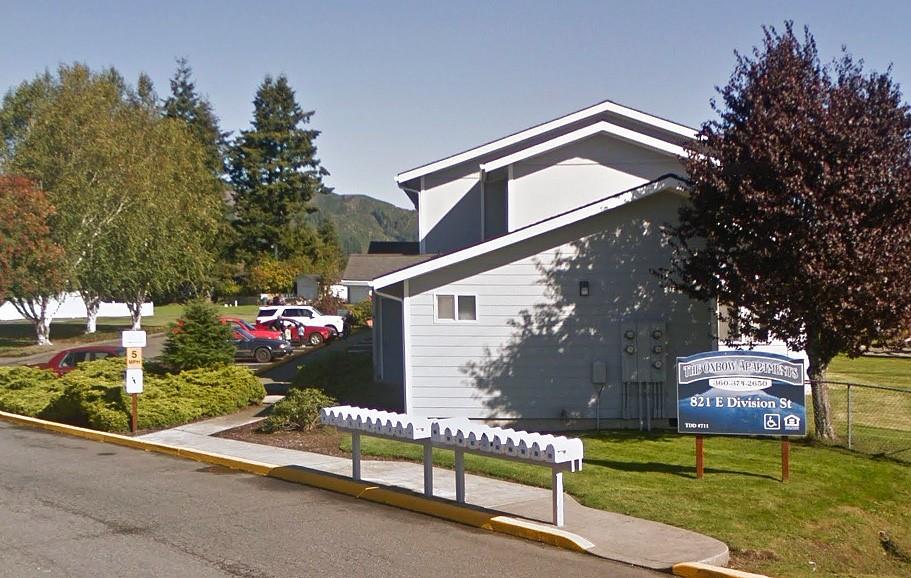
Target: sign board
x=741, y=393
x=133, y=339
x=134, y=357
x=134, y=381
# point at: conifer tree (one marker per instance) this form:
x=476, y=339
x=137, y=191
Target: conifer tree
x=274, y=172
x=187, y=104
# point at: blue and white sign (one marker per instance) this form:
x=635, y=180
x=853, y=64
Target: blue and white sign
x=741, y=393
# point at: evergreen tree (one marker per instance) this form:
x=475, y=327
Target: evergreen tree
x=186, y=104
x=198, y=339
x=274, y=172
x=146, y=96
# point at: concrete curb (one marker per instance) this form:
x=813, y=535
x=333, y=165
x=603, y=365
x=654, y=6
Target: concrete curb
x=437, y=507
x=699, y=570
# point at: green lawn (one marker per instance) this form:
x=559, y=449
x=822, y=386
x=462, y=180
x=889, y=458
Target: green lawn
x=17, y=338
x=826, y=521
x=880, y=418
x=887, y=371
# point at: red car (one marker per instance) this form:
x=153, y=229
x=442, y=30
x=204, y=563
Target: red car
x=299, y=333
x=65, y=361
x=255, y=331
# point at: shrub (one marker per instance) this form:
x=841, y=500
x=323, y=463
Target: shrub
x=329, y=304
x=198, y=339
x=298, y=411
x=26, y=390
x=93, y=395
x=361, y=313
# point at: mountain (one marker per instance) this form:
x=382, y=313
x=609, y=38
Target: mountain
x=360, y=219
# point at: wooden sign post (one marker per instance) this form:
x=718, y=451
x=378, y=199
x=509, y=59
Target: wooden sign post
x=738, y=392
x=785, y=458
x=134, y=341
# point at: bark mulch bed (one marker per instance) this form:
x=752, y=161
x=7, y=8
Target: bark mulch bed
x=323, y=440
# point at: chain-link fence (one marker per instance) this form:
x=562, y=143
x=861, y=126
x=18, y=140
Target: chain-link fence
x=871, y=419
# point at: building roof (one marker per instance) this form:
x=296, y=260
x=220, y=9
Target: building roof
x=666, y=182
x=601, y=127
x=591, y=111
x=399, y=247
x=363, y=268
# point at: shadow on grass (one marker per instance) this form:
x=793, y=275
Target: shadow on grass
x=672, y=469
x=614, y=436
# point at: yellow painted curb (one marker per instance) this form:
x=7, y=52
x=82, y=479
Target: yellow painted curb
x=699, y=570
x=440, y=508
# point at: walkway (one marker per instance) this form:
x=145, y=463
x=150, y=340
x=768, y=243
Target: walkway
x=613, y=536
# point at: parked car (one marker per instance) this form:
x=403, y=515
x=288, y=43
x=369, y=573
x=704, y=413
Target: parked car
x=298, y=332
x=303, y=313
x=260, y=349
x=255, y=331
x=66, y=360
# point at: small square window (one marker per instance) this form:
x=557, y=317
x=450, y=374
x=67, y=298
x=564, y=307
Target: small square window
x=467, y=308
x=445, y=307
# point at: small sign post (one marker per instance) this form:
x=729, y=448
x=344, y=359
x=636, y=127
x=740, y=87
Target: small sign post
x=741, y=393
x=134, y=341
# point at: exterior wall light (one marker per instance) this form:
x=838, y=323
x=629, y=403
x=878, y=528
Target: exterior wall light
x=583, y=289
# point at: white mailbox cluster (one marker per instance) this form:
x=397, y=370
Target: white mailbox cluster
x=460, y=435
x=521, y=445
x=376, y=422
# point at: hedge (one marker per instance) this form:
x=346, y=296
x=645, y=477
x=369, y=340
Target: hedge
x=93, y=395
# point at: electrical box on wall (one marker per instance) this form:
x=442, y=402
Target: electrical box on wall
x=599, y=373
x=643, y=352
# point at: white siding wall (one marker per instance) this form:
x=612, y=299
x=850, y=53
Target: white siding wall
x=450, y=213
x=580, y=173
x=450, y=201
x=531, y=350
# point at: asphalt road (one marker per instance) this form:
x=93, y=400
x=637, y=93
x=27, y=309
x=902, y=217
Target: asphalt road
x=72, y=507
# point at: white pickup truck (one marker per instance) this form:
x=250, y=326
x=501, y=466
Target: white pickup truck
x=303, y=313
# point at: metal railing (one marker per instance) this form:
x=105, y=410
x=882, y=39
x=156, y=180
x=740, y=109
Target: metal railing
x=871, y=419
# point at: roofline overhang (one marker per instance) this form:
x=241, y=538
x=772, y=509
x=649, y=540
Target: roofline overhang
x=605, y=106
x=602, y=127
x=666, y=182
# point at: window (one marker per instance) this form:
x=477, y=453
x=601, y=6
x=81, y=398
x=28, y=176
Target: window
x=72, y=358
x=457, y=308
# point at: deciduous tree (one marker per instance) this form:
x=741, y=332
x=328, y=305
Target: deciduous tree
x=138, y=208
x=800, y=220
x=32, y=265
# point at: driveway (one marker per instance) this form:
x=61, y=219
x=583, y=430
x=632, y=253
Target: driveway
x=73, y=507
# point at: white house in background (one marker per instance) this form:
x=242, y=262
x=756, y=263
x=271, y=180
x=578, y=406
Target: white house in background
x=73, y=307
x=538, y=290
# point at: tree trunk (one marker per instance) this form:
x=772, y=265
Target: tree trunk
x=92, y=303
x=36, y=311
x=43, y=330
x=135, y=308
x=822, y=409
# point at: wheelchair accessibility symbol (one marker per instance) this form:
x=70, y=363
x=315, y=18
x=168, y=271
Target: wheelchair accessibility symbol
x=771, y=421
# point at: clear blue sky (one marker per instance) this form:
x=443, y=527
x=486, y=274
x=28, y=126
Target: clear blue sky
x=400, y=84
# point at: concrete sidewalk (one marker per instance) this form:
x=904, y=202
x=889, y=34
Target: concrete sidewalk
x=612, y=536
